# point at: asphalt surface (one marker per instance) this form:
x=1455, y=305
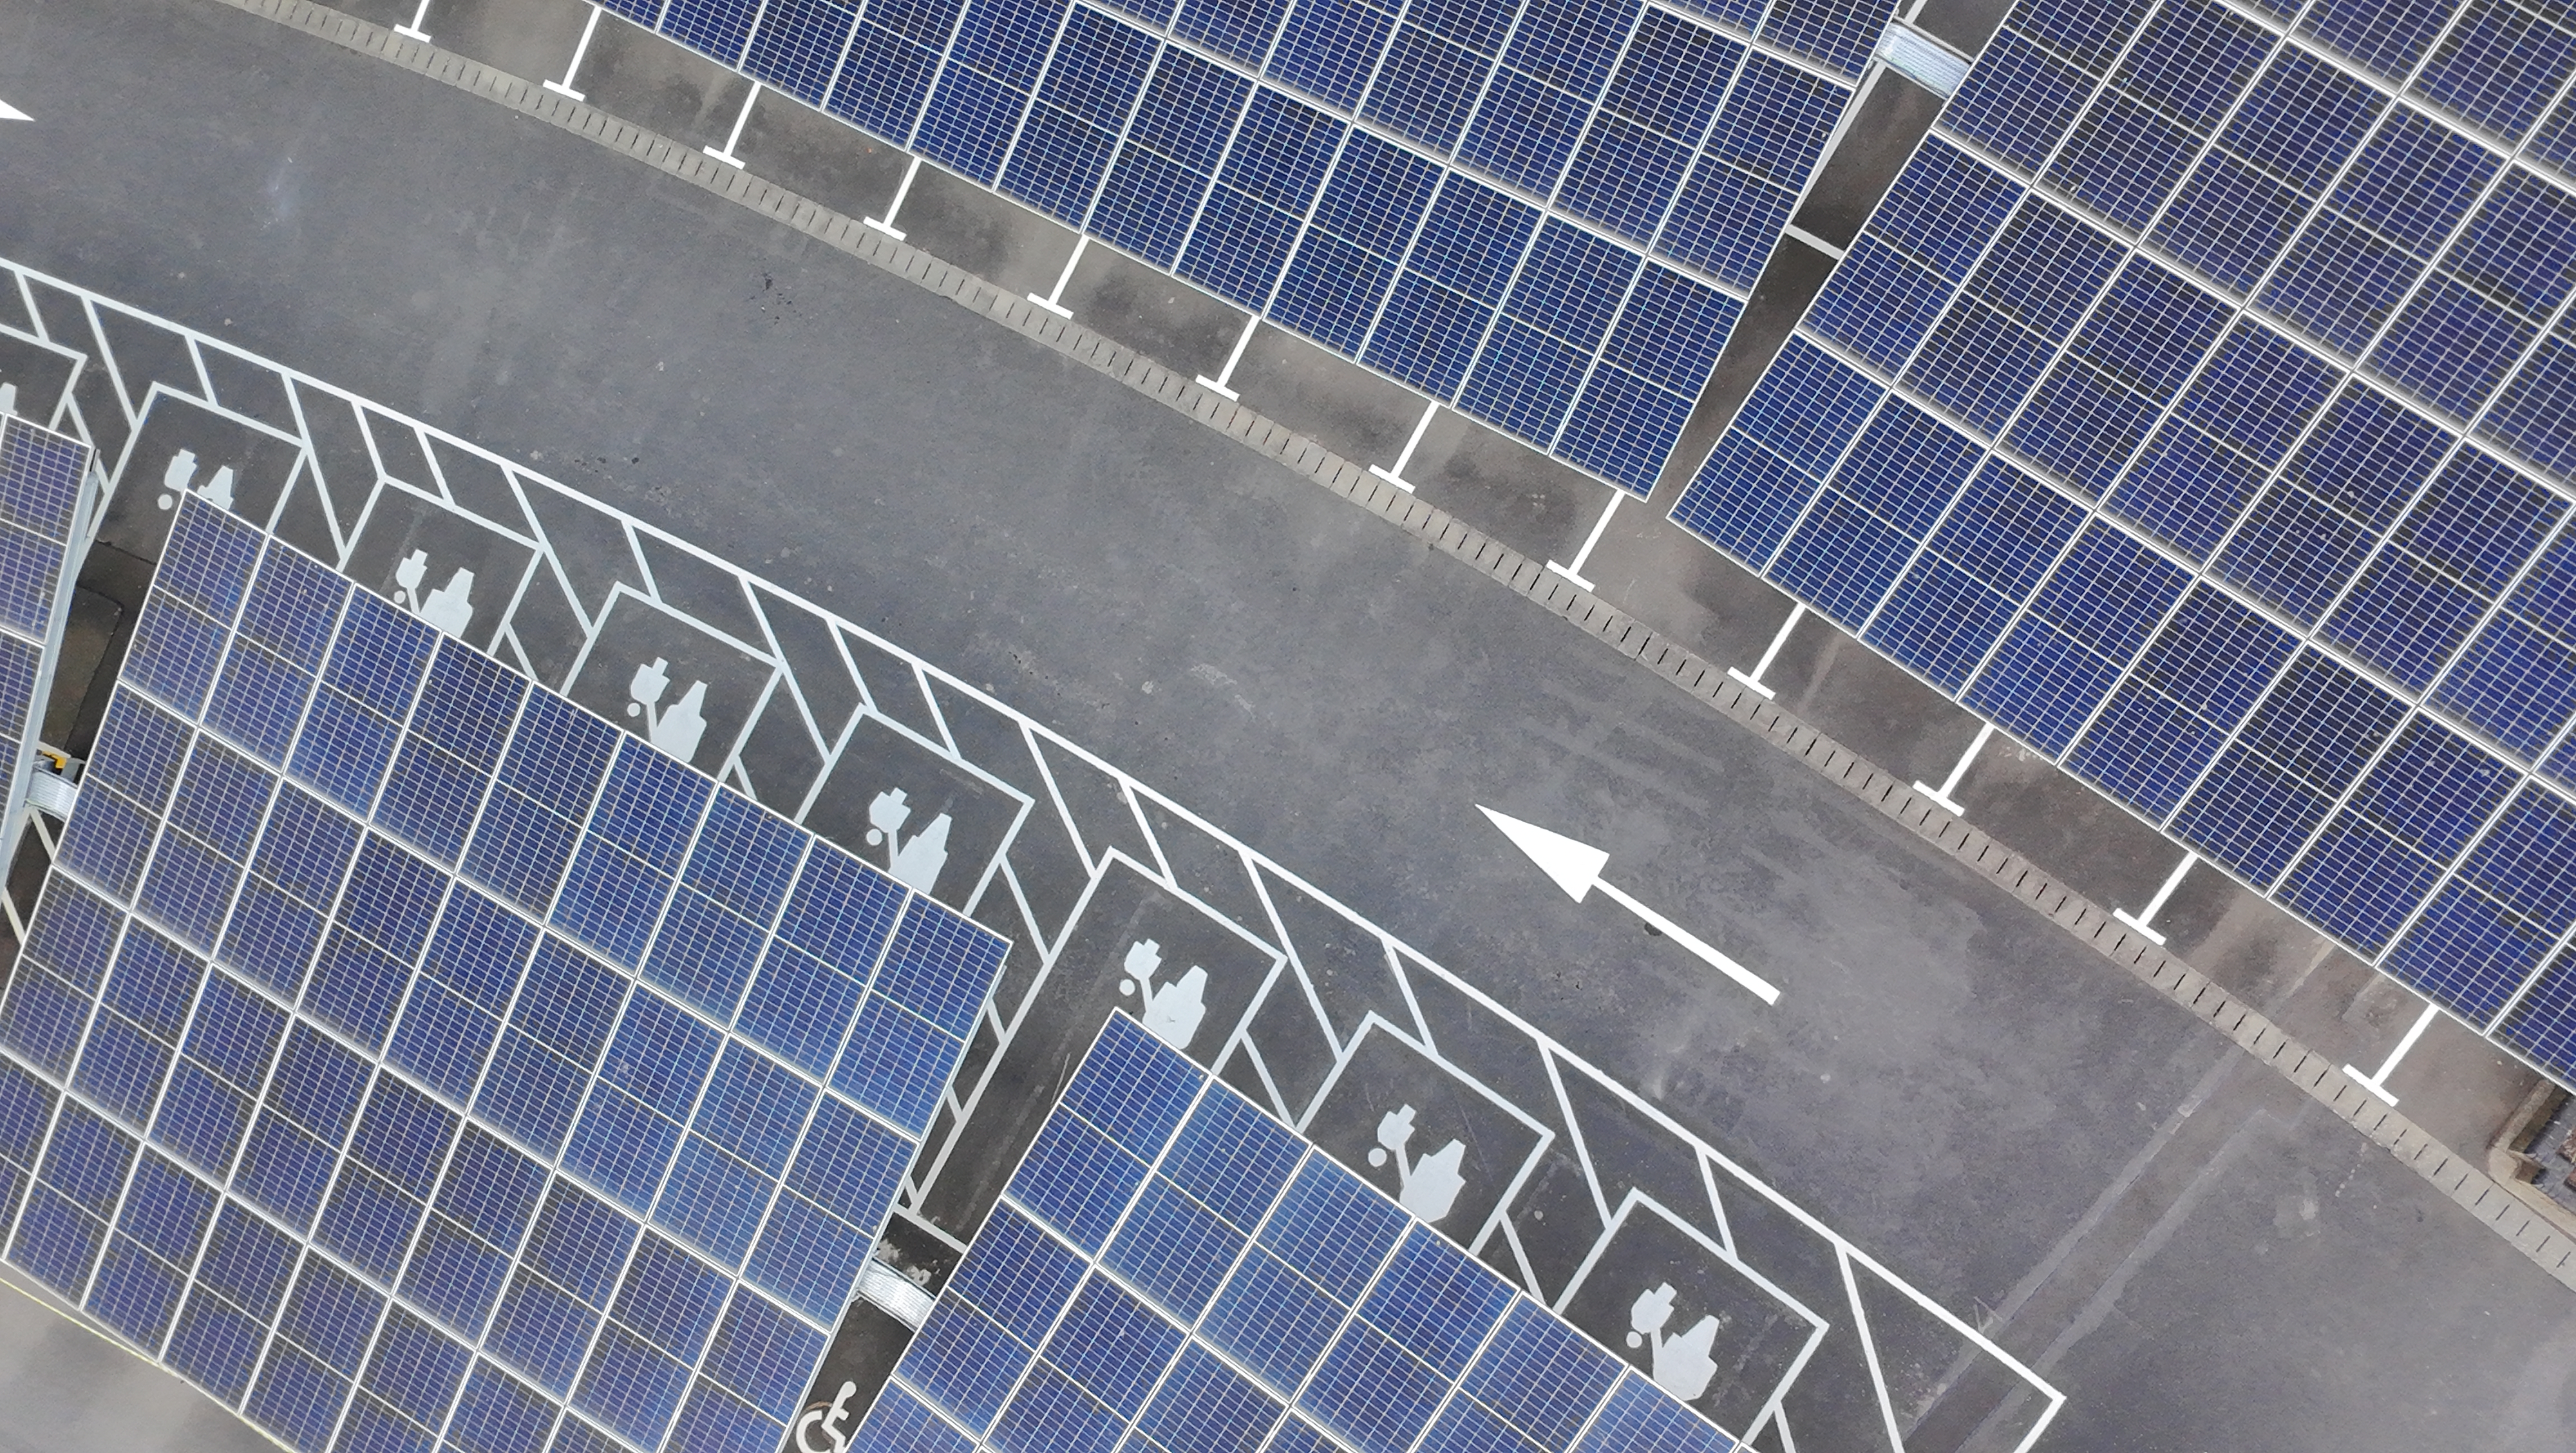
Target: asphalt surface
x=2199, y=1256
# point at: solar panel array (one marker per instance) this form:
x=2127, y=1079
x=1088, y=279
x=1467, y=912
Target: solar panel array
x=41, y=473
x=405, y=1056
x=1546, y=214
x=2200, y=406
x=1171, y=1267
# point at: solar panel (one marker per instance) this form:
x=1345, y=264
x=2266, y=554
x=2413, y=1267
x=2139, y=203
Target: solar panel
x=1172, y=1261
x=1546, y=214
x=43, y=476
x=2197, y=407
x=400, y=1052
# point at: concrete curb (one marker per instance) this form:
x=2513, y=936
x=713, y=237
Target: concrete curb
x=2492, y=1204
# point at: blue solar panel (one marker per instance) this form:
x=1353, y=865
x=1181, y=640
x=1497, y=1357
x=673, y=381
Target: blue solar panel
x=1170, y=1260
x=1371, y=177
x=461, y=1167
x=2292, y=353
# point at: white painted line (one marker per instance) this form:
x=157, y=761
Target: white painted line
x=1797, y=613
x=740, y=119
x=413, y=30
x=1052, y=302
x=1818, y=243
x=526, y=485
x=1869, y=1352
x=1395, y=476
x=564, y=86
x=903, y=189
x=1574, y=572
x=1576, y=868
x=12, y=113
x=2140, y=924
x=2144, y=916
x=2378, y=1084
x=1949, y=784
x=1223, y=375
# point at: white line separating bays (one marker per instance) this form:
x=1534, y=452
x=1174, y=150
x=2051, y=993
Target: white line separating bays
x=1726, y=692
x=2377, y=1082
x=1147, y=813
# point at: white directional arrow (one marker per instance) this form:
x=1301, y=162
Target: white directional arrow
x=12, y=113
x=1576, y=868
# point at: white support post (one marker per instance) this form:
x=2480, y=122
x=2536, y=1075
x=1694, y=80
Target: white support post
x=739, y=121
x=1218, y=383
x=1797, y=613
x=1574, y=572
x=2144, y=916
x=1949, y=784
x=903, y=189
x=1053, y=302
x=1395, y=476
x=582, y=48
x=2377, y=1084
x=413, y=30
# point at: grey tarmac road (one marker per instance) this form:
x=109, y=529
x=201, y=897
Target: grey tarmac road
x=2202, y=1258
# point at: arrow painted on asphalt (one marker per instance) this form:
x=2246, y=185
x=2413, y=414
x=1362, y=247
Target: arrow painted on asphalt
x=1576, y=868
x=12, y=113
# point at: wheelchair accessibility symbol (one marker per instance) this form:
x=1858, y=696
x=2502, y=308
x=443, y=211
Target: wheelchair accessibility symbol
x=828, y=1422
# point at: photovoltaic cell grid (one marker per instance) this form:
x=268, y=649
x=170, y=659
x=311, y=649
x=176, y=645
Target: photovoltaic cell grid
x=2200, y=405
x=1545, y=214
x=1171, y=1267
x=405, y=1056
x=40, y=488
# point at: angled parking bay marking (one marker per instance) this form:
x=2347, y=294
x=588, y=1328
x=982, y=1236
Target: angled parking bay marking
x=1576, y=868
x=1708, y=1329
x=667, y=678
x=1445, y=1145
x=1296, y=980
x=36, y=378
x=923, y=813
x=182, y=445
x=442, y=565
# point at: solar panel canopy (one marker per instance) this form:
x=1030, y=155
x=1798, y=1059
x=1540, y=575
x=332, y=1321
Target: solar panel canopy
x=42, y=477
x=413, y=1060
x=2200, y=406
x=1171, y=1269
x=1546, y=214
